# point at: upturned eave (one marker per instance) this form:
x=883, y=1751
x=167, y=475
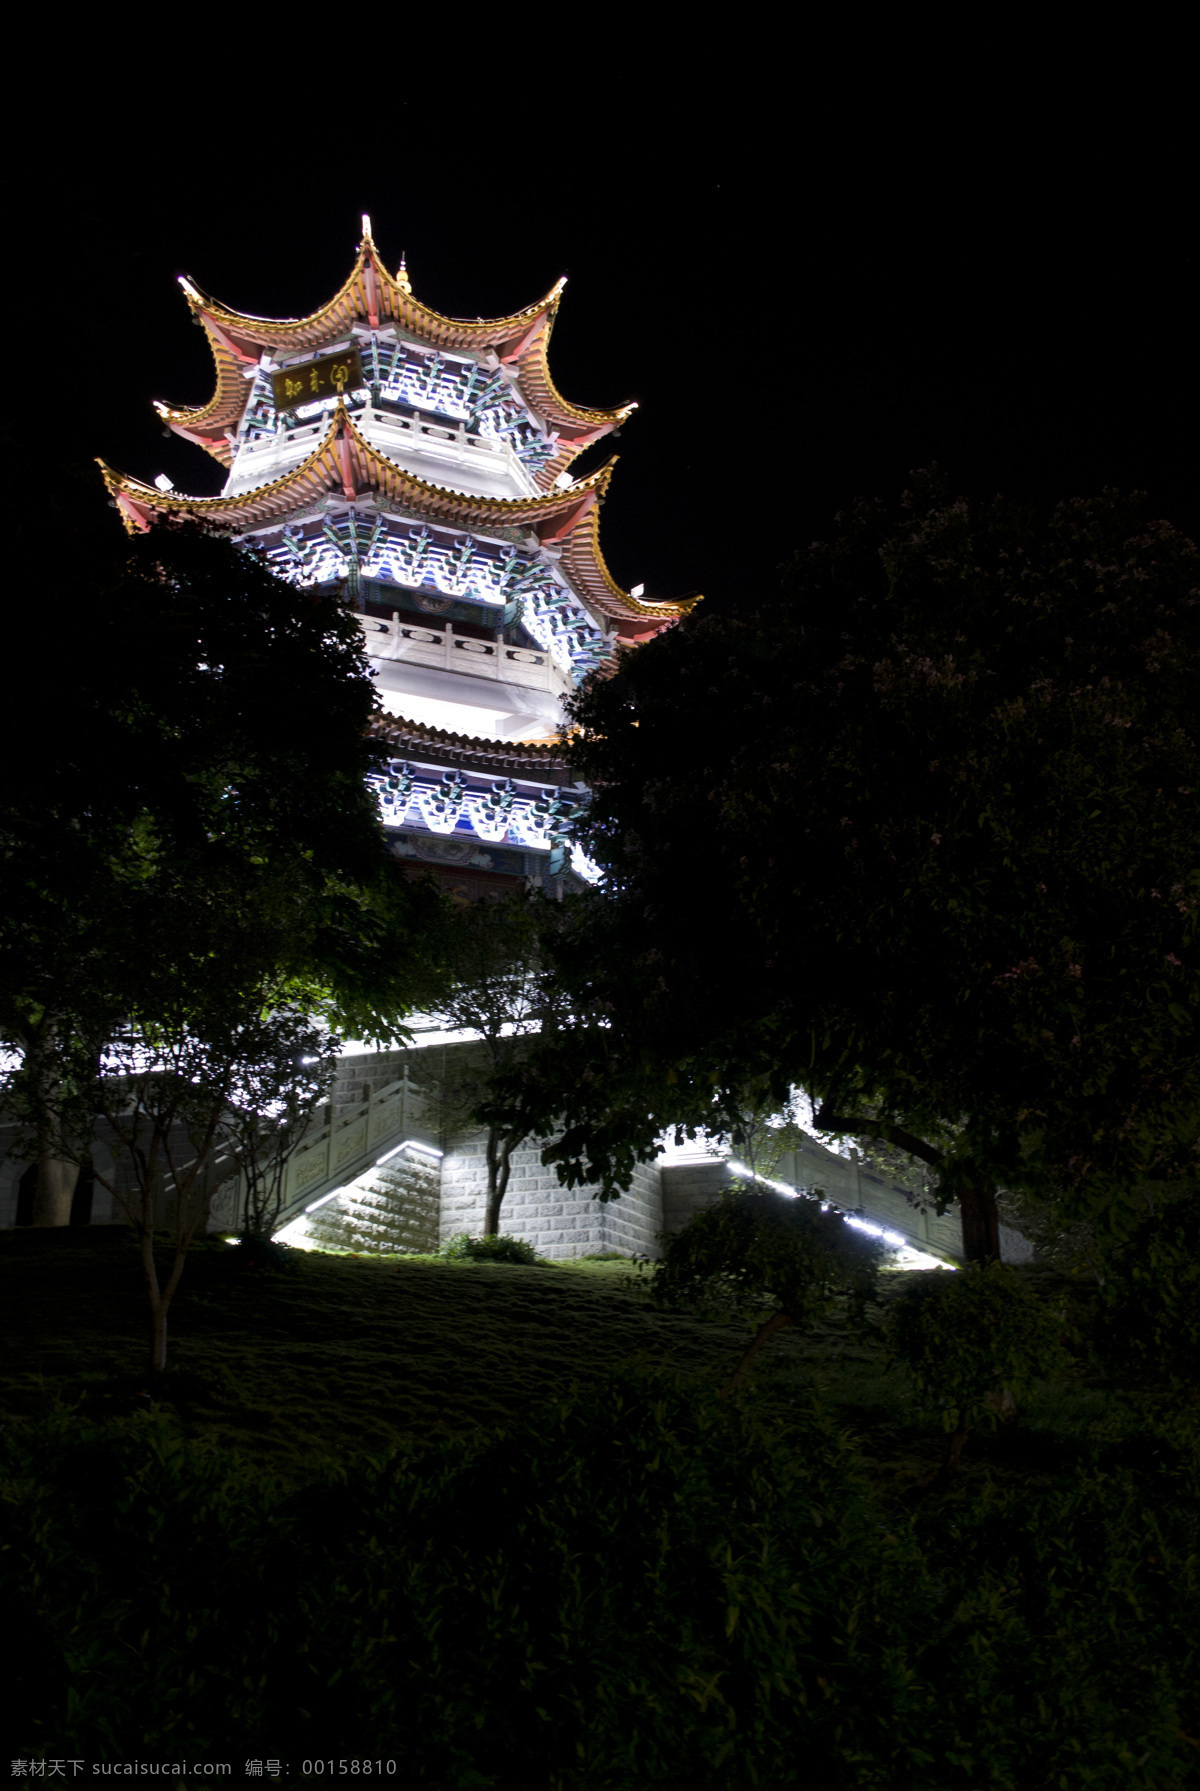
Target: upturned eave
x=416, y=740
x=345, y=464
x=370, y=297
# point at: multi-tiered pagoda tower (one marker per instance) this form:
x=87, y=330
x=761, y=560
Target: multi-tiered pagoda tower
x=421, y=464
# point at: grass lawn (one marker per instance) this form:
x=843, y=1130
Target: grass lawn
x=643, y=1585
x=344, y=1355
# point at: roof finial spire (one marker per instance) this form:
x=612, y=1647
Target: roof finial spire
x=402, y=279
x=366, y=217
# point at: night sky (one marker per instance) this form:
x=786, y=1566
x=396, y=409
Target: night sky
x=806, y=303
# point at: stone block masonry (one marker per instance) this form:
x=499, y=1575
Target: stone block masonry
x=849, y=1184
x=375, y=1071
x=392, y=1208
x=634, y=1223
x=557, y=1221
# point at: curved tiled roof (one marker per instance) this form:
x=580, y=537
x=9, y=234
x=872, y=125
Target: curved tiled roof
x=345, y=462
x=415, y=739
x=371, y=296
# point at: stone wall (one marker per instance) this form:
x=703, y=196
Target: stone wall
x=687, y=1188
x=634, y=1223
x=850, y=1185
x=557, y=1221
x=374, y=1070
x=404, y=1205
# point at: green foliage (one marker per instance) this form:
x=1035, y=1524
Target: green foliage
x=257, y=1255
x=1070, y=1246
x=756, y=1248
x=644, y=1584
x=967, y=1337
x=273, y=1100
x=950, y=825
x=497, y=1248
x=199, y=820
x=1149, y=1318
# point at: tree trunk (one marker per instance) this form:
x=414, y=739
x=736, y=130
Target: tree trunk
x=158, y=1306
x=56, y=1177
x=499, y=1153
x=764, y=1334
x=954, y=1448
x=56, y=1180
x=980, y=1223
x=158, y=1341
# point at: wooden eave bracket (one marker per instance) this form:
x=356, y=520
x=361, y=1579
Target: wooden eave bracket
x=557, y=528
x=227, y=341
x=510, y=353
x=212, y=444
x=136, y=520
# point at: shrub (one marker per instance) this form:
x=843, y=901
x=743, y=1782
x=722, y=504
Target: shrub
x=643, y=1585
x=973, y=1341
x=490, y=1249
x=1149, y=1317
x=757, y=1250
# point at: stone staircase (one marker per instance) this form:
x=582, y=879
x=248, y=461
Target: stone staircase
x=395, y=1206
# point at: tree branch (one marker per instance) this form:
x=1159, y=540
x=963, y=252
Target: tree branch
x=870, y=1128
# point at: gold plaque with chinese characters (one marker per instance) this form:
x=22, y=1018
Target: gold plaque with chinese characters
x=333, y=376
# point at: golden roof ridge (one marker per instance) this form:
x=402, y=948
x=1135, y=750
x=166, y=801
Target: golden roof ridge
x=596, y=417
x=561, y=498
x=403, y=307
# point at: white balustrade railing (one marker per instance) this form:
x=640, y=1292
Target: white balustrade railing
x=531, y=669
x=338, y=1144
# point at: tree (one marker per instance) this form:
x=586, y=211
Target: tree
x=972, y=1343
x=286, y=1070
x=760, y=1248
x=206, y=756
x=171, y=1092
x=919, y=835
x=497, y=994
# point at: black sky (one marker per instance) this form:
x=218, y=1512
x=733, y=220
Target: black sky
x=809, y=293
